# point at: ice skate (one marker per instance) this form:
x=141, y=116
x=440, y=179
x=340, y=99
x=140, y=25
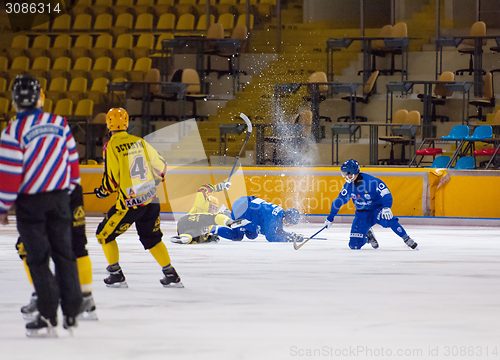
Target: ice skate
x=42, y=327
x=171, y=279
x=410, y=242
x=87, y=309
x=233, y=224
x=30, y=311
x=116, y=278
x=69, y=323
x=180, y=239
x=371, y=239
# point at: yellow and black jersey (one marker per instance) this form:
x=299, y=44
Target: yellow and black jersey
x=131, y=167
x=201, y=201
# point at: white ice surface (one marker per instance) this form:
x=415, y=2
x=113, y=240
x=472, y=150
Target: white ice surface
x=260, y=300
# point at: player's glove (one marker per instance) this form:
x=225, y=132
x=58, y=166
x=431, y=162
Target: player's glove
x=293, y=236
x=100, y=193
x=386, y=213
x=223, y=186
x=328, y=223
x=233, y=224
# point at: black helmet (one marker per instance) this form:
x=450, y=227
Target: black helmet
x=25, y=91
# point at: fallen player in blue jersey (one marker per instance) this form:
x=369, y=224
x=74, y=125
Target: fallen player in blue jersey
x=265, y=218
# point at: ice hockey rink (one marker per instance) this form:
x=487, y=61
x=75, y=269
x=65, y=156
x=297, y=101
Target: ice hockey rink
x=259, y=300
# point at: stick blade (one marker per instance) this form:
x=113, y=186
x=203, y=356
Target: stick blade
x=247, y=120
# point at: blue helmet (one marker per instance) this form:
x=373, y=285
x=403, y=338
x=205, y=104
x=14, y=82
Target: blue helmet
x=350, y=167
x=291, y=216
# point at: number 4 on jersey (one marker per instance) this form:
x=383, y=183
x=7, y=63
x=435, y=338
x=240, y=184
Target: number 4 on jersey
x=138, y=168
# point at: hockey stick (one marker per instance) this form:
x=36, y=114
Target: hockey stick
x=247, y=137
x=249, y=133
x=297, y=247
x=89, y=193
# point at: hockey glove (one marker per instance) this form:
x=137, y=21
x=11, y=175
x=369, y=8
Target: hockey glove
x=293, y=236
x=233, y=224
x=328, y=223
x=223, y=186
x=100, y=193
x=386, y=213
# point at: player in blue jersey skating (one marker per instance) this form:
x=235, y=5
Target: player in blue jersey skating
x=372, y=200
x=265, y=218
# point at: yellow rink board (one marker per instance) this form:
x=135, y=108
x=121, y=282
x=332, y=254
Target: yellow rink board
x=416, y=192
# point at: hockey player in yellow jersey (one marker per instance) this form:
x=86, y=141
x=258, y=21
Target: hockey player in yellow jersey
x=195, y=226
x=132, y=169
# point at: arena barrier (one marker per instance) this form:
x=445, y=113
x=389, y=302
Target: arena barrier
x=417, y=192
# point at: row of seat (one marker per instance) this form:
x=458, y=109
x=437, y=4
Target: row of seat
x=63, y=107
x=263, y=8
x=84, y=45
x=125, y=23
x=465, y=147
x=83, y=66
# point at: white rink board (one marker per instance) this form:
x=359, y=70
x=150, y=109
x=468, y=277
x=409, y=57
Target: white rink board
x=259, y=300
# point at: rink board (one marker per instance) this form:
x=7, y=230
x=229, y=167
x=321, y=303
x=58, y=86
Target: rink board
x=416, y=192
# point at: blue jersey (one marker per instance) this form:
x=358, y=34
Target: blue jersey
x=366, y=192
x=266, y=218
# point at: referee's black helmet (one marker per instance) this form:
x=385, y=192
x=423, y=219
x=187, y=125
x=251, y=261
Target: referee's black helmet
x=25, y=91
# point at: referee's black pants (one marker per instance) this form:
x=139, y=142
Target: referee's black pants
x=44, y=224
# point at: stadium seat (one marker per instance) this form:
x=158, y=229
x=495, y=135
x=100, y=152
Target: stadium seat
x=57, y=88
x=40, y=47
x=441, y=162
x=480, y=133
x=464, y=163
x=123, y=65
x=123, y=24
x=20, y=64
x=102, y=47
x=18, y=47
x=144, y=7
x=227, y=20
x=122, y=47
x=145, y=43
x=101, y=68
x=81, y=67
x=242, y=20
x=144, y=22
x=62, y=24
x=141, y=67
x=166, y=22
x=202, y=22
x=40, y=67
x=103, y=23
x=83, y=44
x=61, y=47
x=83, y=22
x=77, y=89
x=458, y=132
x=185, y=24
x=60, y=67
x=64, y=107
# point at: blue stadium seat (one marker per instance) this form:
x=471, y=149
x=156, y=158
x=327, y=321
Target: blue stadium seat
x=440, y=162
x=480, y=133
x=465, y=162
x=458, y=132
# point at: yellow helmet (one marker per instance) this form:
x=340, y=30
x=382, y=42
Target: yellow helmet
x=117, y=119
x=41, y=99
x=213, y=204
